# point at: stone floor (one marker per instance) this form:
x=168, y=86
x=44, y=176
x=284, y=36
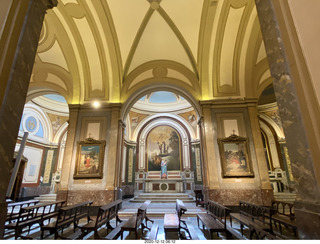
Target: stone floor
x=155, y=212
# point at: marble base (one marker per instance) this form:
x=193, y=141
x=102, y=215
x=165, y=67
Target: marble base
x=99, y=197
x=231, y=197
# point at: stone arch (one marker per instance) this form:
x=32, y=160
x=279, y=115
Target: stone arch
x=140, y=93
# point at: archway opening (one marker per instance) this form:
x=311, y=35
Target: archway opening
x=45, y=119
x=161, y=151
x=274, y=142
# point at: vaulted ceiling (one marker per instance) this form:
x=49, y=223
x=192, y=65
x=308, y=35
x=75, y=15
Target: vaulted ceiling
x=113, y=50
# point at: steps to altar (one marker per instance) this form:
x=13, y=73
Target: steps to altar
x=163, y=197
x=158, y=209
x=285, y=197
x=46, y=198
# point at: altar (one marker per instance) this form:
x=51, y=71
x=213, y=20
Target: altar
x=175, y=182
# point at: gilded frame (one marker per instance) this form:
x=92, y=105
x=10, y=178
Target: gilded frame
x=235, y=157
x=90, y=157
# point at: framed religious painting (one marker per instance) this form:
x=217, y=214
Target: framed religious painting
x=90, y=157
x=164, y=150
x=235, y=157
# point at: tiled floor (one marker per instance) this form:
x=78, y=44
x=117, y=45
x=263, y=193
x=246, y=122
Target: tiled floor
x=155, y=212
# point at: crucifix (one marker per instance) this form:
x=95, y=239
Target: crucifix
x=233, y=132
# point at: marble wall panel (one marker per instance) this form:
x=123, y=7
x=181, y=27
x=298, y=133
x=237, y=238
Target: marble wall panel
x=231, y=197
x=99, y=198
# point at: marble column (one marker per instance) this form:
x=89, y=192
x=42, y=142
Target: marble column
x=307, y=205
x=15, y=85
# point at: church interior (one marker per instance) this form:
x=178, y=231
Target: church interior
x=189, y=108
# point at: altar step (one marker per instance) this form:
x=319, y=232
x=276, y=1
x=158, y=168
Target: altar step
x=163, y=197
x=46, y=198
x=285, y=197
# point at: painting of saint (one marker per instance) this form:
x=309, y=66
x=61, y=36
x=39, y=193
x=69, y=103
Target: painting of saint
x=163, y=149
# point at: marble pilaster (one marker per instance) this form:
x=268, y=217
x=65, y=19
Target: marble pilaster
x=15, y=86
x=69, y=147
x=286, y=84
x=261, y=159
x=210, y=172
x=113, y=158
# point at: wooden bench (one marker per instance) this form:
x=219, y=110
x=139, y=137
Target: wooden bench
x=115, y=233
x=105, y=214
x=234, y=233
x=253, y=215
x=261, y=234
x=67, y=215
x=215, y=219
x=199, y=198
x=13, y=209
x=36, y=214
x=172, y=221
x=192, y=232
x=283, y=214
x=134, y=222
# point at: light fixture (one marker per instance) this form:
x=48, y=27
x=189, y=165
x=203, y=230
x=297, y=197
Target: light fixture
x=96, y=104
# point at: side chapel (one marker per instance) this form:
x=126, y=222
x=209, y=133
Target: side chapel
x=122, y=98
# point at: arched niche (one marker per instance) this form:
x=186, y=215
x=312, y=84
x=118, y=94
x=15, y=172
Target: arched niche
x=164, y=121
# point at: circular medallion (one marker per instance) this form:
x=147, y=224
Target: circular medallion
x=31, y=124
x=164, y=187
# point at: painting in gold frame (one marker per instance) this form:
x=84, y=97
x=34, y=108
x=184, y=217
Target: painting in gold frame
x=90, y=157
x=235, y=157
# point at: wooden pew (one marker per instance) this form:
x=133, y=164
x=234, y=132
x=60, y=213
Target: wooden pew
x=134, y=222
x=115, y=233
x=215, y=220
x=253, y=215
x=235, y=234
x=172, y=221
x=105, y=214
x=154, y=232
x=261, y=234
x=36, y=214
x=67, y=216
x=192, y=232
x=199, y=198
x=283, y=214
x=13, y=209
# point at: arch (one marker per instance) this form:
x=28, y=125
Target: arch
x=275, y=159
x=160, y=87
x=31, y=109
x=274, y=125
x=37, y=91
x=61, y=132
x=156, y=116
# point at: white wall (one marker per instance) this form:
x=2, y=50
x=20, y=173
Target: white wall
x=305, y=14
